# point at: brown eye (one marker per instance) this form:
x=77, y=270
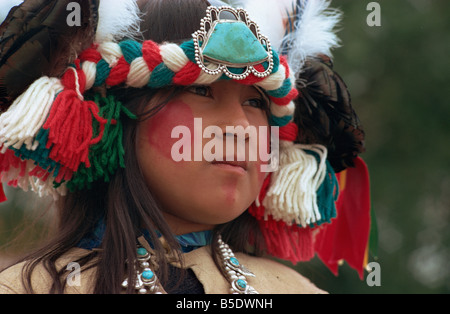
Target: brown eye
x=255, y=102
x=200, y=90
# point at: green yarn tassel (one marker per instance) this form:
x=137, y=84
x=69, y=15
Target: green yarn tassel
x=108, y=155
x=327, y=195
x=40, y=155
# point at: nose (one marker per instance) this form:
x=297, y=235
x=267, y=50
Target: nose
x=236, y=130
x=232, y=114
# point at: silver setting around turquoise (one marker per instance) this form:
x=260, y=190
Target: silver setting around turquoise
x=215, y=67
x=146, y=280
x=236, y=272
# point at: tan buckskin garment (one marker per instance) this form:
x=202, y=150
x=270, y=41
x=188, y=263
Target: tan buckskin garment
x=271, y=277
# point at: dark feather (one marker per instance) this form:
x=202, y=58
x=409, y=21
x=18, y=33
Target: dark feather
x=325, y=114
x=36, y=41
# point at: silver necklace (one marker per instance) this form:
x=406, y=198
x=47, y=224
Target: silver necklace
x=146, y=280
x=236, y=274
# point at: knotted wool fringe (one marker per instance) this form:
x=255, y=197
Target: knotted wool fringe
x=47, y=132
x=288, y=242
x=292, y=196
x=19, y=127
x=108, y=155
x=20, y=124
x=25, y=174
x=70, y=123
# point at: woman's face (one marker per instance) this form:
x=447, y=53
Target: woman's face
x=200, y=191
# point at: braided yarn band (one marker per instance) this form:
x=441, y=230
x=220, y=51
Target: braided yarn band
x=151, y=65
x=50, y=136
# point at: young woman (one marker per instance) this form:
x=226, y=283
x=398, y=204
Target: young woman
x=145, y=135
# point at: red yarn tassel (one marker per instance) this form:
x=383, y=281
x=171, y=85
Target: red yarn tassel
x=4, y=162
x=40, y=173
x=291, y=243
x=64, y=174
x=70, y=123
x=2, y=194
x=9, y=160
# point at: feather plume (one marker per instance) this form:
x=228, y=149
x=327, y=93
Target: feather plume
x=310, y=31
x=325, y=113
x=118, y=19
x=269, y=17
x=6, y=6
x=299, y=29
x=36, y=41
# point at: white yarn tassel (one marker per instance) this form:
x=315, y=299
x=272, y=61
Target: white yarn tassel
x=46, y=188
x=292, y=196
x=23, y=120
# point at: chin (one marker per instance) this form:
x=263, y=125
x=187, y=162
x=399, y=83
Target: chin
x=226, y=214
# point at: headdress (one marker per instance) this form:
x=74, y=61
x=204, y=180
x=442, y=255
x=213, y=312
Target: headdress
x=56, y=136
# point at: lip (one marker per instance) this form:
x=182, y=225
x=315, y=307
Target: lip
x=239, y=166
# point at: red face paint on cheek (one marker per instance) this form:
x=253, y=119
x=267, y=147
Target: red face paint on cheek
x=159, y=131
x=229, y=189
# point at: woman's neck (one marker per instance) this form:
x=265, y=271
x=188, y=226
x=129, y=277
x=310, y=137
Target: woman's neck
x=180, y=226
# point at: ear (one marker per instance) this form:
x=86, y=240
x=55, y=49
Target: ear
x=36, y=40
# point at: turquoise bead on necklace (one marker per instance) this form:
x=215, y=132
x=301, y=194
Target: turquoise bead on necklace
x=146, y=280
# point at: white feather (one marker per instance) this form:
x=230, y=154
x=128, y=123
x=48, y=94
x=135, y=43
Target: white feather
x=269, y=15
x=6, y=6
x=118, y=19
x=315, y=33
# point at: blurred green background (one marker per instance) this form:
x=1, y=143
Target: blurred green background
x=399, y=77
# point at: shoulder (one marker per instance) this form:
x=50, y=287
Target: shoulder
x=271, y=277
x=13, y=279
x=274, y=277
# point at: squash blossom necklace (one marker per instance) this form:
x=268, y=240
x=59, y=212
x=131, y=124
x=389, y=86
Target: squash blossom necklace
x=147, y=282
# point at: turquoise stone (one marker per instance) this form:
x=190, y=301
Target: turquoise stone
x=147, y=275
x=234, y=44
x=241, y=283
x=141, y=251
x=234, y=261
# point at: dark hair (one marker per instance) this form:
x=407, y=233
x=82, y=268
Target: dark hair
x=125, y=204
